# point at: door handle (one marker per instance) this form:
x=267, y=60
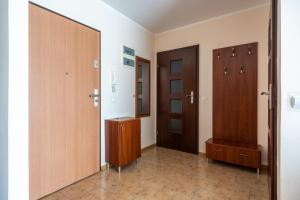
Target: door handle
x=265, y=93
x=191, y=96
x=95, y=96
x=269, y=94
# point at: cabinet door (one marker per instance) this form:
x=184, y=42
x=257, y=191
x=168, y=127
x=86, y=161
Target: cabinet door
x=129, y=137
x=136, y=147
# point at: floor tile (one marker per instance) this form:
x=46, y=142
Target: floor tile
x=165, y=174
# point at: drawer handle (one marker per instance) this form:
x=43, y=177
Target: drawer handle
x=219, y=150
x=244, y=155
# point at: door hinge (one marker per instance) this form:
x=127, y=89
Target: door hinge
x=96, y=64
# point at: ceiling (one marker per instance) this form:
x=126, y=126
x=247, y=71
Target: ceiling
x=162, y=15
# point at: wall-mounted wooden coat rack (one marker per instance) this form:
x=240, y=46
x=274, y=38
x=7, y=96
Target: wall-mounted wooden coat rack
x=235, y=106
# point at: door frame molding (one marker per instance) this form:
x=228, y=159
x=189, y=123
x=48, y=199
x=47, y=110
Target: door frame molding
x=137, y=59
x=274, y=11
x=197, y=90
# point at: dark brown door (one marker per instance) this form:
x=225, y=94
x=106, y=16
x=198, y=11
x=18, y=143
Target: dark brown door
x=272, y=96
x=177, y=99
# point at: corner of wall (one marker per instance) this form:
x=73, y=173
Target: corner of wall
x=4, y=99
x=18, y=115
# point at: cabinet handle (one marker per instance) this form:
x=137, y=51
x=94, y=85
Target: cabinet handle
x=244, y=155
x=219, y=150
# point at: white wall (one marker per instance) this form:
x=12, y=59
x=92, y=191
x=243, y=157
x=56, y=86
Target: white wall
x=233, y=29
x=18, y=100
x=289, y=138
x=4, y=99
x=116, y=31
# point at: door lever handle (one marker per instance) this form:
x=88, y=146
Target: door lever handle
x=269, y=94
x=265, y=93
x=95, y=96
x=191, y=96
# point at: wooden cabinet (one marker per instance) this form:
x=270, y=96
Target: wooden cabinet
x=122, y=141
x=244, y=155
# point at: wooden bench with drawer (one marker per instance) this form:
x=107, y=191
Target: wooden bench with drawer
x=244, y=155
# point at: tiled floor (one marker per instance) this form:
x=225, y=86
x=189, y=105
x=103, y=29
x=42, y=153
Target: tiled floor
x=166, y=174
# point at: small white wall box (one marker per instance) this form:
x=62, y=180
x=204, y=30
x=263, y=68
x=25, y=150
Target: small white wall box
x=295, y=102
x=128, y=56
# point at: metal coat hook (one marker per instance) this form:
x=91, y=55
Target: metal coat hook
x=233, y=52
x=243, y=70
x=218, y=55
x=225, y=70
x=249, y=51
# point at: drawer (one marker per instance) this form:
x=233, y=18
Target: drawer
x=247, y=158
x=216, y=152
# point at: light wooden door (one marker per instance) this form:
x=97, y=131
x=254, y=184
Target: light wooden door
x=64, y=123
